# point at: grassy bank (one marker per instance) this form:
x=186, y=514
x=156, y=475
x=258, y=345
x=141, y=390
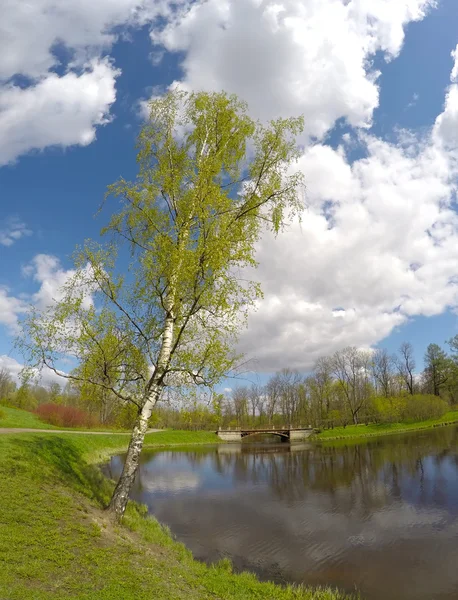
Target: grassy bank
x=56, y=541
x=357, y=431
x=14, y=417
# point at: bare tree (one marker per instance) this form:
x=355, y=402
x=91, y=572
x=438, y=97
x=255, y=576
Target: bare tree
x=406, y=366
x=323, y=384
x=383, y=371
x=351, y=369
x=254, y=396
x=240, y=401
x=289, y=384
x=272, y=396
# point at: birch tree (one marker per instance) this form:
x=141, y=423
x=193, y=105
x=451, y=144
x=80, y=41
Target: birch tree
x=161, y=301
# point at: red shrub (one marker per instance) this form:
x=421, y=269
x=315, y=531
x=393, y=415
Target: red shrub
x=64, y=416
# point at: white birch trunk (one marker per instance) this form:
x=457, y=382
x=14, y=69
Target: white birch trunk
x=121, y=493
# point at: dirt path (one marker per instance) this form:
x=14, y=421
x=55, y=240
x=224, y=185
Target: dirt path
x=30, y=430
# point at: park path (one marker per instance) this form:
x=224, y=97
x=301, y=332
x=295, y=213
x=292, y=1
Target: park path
x=30, y=430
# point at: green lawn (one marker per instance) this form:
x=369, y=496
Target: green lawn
x=14, y=417
x=353, y=431
x=56, y=542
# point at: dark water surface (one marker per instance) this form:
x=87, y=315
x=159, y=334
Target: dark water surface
x=379, y=516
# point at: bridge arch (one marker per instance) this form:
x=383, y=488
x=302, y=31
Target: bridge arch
x=283, y=435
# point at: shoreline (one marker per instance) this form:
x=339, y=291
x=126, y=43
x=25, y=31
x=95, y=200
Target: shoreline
x=421, y=426
x=55, y=498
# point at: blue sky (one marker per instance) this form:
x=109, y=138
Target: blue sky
x=53, y=183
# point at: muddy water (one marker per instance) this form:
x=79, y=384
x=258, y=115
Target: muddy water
x=380, y=516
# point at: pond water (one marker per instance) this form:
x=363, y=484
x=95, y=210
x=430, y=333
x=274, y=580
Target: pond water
x=379, y=516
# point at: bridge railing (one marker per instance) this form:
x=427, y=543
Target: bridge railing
x=265, y=428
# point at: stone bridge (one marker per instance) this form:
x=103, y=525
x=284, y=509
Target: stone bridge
x=286, y=434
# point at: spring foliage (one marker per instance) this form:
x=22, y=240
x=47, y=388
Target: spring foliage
x=210, y=179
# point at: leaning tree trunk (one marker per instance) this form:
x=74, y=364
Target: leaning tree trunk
x=120, y=496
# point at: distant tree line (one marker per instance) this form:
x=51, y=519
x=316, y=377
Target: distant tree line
x=349, y=387
x=102, y=408
x=352, y=386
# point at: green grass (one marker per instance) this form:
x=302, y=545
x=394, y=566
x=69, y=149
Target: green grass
x=355, y=431
x=14, y=417
x=56, y=542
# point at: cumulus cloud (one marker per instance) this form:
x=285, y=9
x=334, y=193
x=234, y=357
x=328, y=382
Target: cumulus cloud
x=34, y=32
x=56, y=84
x=445, y=130
x=14, y=368
x=312, y=57
x=60, y=111
x=47, y=271
x=377, y=245
x=50, y=277
x=10, y=309
x=12, y=231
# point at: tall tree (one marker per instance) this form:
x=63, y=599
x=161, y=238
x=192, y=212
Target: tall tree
x=406, y=366
x=240, y=397
x=7, y=385
x=273, y=391
x=290, y=394
x=191, y=219
x=382, y=370
x=452, y=382
x=351, y=368
x=254, y=397
x=437, y=369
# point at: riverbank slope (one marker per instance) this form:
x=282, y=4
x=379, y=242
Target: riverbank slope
x=374, y=429
x=57, y=542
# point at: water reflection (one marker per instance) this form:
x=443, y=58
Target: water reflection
x=381, y=516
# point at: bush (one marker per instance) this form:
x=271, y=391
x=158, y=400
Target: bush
x=65, y=416
x=419, y=407
x=387, y=410
x=423, y=407
x=126, y=416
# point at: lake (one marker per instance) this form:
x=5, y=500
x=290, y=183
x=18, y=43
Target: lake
x=379, y=516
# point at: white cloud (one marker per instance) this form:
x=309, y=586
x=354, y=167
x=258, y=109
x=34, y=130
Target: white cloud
x=305, y=56
x=13, y=230
x=454, y=73
x=445, y=130
x=57, y=101
x=56, y=111
x=14, y=368
x=10, y=309
x=30, y=31
x=378, y=244
x=48, y=272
